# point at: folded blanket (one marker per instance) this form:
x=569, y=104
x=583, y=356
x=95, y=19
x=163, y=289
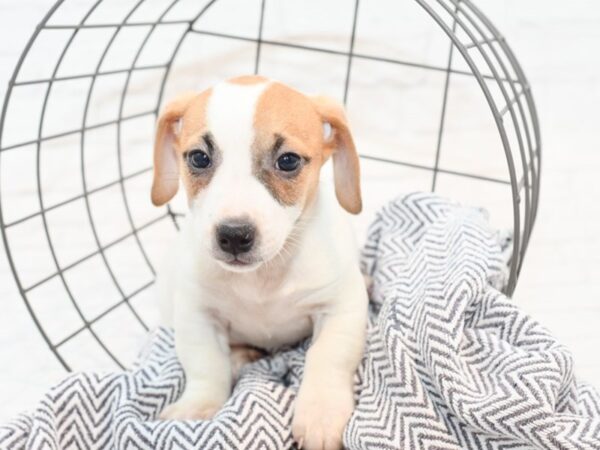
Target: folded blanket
x=450, y=363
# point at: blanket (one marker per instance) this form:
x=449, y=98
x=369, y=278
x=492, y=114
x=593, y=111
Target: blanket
x=450, y=363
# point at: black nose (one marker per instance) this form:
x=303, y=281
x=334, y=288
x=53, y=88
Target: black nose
x=236, y=237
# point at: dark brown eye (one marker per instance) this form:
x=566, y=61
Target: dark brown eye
x=198, y=159
x=288, y=162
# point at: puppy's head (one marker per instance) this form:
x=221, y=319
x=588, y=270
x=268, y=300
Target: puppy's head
x=248, y=152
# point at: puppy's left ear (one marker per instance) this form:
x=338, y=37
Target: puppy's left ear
x=338, y=142
x=166, y=168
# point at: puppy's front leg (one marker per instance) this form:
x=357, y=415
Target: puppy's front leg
x=203, y=352
x=325, y=400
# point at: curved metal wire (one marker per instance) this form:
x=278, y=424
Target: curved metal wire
x=82, y=168
x=520, y=241
x=11, y=261
x=41, y=201
x=496, y=65
x=119, y=133
x=510, y=102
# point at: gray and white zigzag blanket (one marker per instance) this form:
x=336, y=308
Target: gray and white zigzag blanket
x=451, y=363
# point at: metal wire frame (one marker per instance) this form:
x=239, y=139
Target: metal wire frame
x=454, y=17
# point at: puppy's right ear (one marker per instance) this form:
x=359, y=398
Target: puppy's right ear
x=166, y=168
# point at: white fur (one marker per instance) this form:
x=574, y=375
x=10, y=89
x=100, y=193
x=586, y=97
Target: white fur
x=274, y=305
x=308, y=282
x=326, y=131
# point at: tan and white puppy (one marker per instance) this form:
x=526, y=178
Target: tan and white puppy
x=266, y=256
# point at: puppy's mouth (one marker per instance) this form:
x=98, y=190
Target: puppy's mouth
x=239, y=263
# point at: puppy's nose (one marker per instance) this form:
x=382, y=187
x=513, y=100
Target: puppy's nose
x=236, y=237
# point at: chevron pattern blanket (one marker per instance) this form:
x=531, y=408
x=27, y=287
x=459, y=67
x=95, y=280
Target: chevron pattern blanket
x=451, y=363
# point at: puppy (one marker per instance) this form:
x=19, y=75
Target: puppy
x=266, y=256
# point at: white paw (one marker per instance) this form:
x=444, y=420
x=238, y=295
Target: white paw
x=190, y=409
x=320, y=417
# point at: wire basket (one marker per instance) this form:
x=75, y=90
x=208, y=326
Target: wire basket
x=436, y=97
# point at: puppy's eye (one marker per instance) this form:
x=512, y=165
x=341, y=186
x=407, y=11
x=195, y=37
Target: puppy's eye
x=288, y=162
x=198, y=159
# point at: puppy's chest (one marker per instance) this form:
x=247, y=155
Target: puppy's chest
x=264, y=318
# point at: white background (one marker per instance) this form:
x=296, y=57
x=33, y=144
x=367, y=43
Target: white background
x=558, y=45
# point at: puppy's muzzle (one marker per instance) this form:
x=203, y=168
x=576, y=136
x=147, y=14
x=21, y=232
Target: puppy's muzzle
x=236, y=237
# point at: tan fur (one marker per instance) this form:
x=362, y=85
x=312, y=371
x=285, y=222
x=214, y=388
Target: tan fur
x=282, y=111
x=346, y=165
x=299, y=120
x=171, y=143
x=247, y=79
x=194, y=126
x=241, y=355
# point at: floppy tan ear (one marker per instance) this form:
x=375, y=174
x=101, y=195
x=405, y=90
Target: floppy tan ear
x=166, y=168
x=338, y=142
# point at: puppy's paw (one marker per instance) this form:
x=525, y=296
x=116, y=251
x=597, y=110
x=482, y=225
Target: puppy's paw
x=190, y=409
x=320, y=417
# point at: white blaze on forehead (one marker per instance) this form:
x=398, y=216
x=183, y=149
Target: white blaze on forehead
x=234, y=189
x=230, y=118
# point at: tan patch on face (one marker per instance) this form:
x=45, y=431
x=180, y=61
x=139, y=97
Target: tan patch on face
x=248, y=79
x=286, y=113
x=193, y=127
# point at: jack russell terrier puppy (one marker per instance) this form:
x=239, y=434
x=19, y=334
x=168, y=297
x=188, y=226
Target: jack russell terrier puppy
x=266, y=256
